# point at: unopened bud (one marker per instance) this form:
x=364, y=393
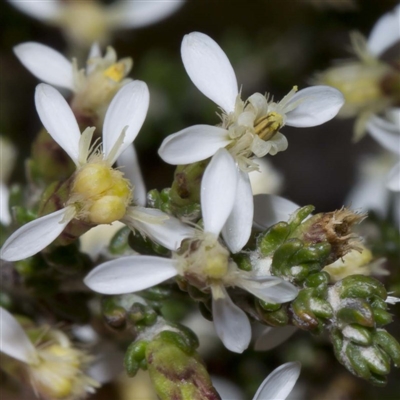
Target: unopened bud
x=177, y=374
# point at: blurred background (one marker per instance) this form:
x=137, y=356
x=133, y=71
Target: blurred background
x=272, y=45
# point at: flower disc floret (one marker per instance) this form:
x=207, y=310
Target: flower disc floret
x=203, y=259
x=100, y=193
x=58, y=373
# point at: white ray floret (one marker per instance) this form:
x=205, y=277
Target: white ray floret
x=386, y=131
x=279, y=383
x=385, y=33
x=203, y=261
x=7, y=162
x=99, y=193
x=14, y=341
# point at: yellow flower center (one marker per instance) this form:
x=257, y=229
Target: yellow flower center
x=268, y=126
x=101, y=193
x=215, y=262
x=116, y=72
x=57, y=370
x=359, y=83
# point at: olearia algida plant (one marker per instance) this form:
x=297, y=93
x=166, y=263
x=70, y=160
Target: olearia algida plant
x=259, y=267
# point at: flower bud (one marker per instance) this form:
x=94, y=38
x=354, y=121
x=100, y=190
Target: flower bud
x=332, y=227
x=176, y=373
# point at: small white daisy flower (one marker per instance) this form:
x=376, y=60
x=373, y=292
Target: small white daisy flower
x=99, y=194
x=203, y=261
x=249, y=129
x=53, y=367
x=93, y=87
x=368, y=83
x=84, y=22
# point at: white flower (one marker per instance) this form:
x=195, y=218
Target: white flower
x=52, y=365
x=93, y=87
x=387, y=133
x=84, y=22
x=279, y=383
x=203, y=261
x=8, y=156
x=249, y=129
x=368, y=83
x=99, y=194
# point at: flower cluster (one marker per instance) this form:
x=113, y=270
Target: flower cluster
x=251, y=263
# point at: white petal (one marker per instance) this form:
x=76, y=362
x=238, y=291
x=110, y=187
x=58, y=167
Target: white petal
x=393, y=115
x=108, y=363
x=95, y=241
x=273, y=337
x=393, y=182
x=231, y=324
x=267, y=179
x=36, y=235
x=167, y=231
x=316, y=105
x=369, y=193
x=237, y=229
x=210, y=70
x=226, y=388
x=218, y=191
x=5, y=216
x=193, y=144
x=385, y=33
x=42, y=10
x=130, y=274
x=279, y=383
x=137, y=14
x=46, y=64
x=128, y=163
x=270, y=289
x=387, y=134
x=128, y=108
x=58, y=119
x=270, y=209
x=14, y=341
x=95, y=52
x=392, y=300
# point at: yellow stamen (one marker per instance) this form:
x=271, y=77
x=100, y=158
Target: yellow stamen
x=268, y=126
x=216, y=265
x=116, y=72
